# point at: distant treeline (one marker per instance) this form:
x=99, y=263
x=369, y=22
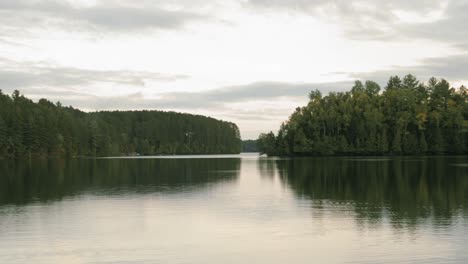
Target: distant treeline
x=47, y=129
x=249, y=145
x=408, y=117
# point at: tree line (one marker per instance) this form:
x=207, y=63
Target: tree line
x=249, y=145
x=407, y=117
x=43, y=128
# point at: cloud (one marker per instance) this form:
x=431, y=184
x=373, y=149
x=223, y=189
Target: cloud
x=267, y=90
x=39, y=79
x=439, y=20
x=120, y=16
x=65, y=84
x=450, y=28
x=254, y=92
x=454, y=68
x=26, y=75
x=212, y=100
x=361, y=19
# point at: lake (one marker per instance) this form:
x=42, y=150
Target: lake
x=235, y=209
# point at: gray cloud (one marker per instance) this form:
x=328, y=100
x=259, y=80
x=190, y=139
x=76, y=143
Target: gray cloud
x=452, y=28
x=40, y=80
x=106, y=15
x=377, y=19
x=259, y=91
x=361, y=19
x=212, y=100
x=451, y=68
x=31, y=75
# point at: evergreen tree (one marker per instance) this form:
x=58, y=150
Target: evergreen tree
x=409, y=117
x=50, y=129
x=3, y=137
x=394, y=83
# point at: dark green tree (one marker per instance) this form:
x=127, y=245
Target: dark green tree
x=50, y=129
x=408, y=117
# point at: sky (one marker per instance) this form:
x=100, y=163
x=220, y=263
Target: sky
x=251, y=62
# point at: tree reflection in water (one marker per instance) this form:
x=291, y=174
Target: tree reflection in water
x=43, y=180
x=402, y=190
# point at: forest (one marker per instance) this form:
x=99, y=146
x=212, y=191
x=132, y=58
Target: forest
x=407, y=117
x=44, y=129
x=249, y=145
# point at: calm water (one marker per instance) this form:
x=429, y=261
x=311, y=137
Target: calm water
x=235, y=209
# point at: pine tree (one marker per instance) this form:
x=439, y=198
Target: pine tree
x=409, y=117
x=3, y=137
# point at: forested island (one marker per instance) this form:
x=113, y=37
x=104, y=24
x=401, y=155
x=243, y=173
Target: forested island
x=407, y=117
x=46, y=129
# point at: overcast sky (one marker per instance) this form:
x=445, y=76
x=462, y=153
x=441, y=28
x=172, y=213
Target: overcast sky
x=251, y=62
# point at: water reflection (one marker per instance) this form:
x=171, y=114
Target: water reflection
x=217, y=210
x=22, y=182
x=403, y=191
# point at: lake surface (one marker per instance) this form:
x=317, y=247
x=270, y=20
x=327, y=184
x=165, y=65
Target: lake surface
x=235, y=209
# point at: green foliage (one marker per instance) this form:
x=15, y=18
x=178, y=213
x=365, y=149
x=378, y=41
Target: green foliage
x=372, y=88
x=3, y=136
x=394, y=83
x=48, y=129
x=267, y=144
x=408, y=117
x=410, y=82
